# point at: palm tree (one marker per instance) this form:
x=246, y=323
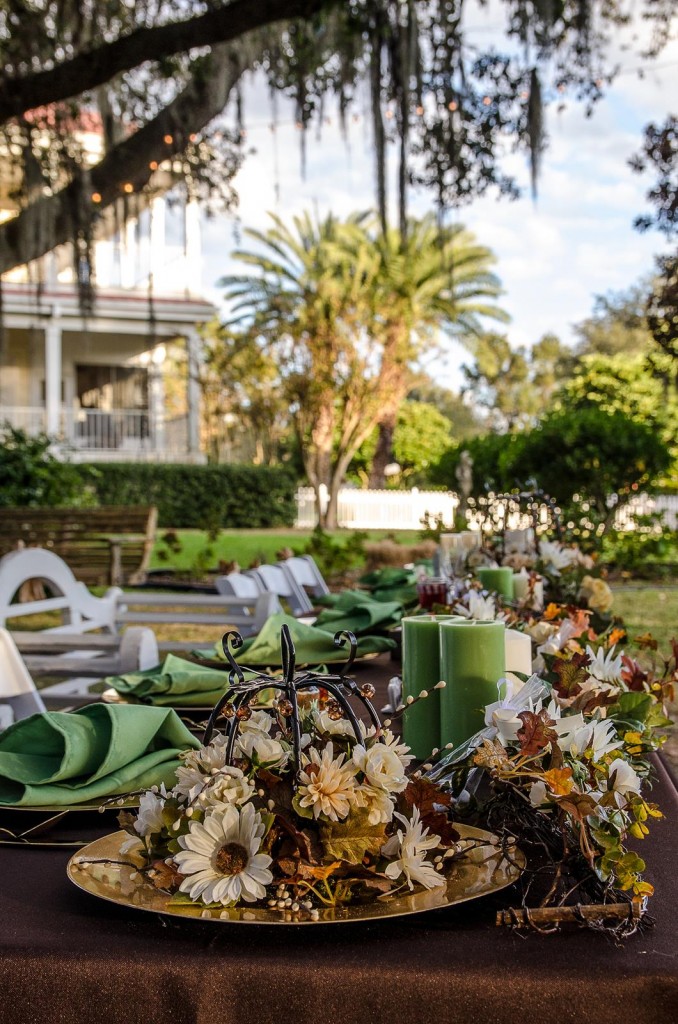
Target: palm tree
x=433, y=281
x=346, y=312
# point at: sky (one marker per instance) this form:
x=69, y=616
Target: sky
x=554, y=255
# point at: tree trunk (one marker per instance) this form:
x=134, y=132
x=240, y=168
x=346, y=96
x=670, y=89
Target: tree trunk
x=383, y=454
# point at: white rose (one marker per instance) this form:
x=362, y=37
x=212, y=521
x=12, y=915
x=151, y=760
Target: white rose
x=381, y=766
x=149, y=818
x=267, y=752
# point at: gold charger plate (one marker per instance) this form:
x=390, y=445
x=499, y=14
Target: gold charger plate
x=50, y=819
x=481, y=871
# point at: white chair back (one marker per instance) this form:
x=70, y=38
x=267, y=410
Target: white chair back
x=306, y=573
x=275, y=580
x=17, y=689
x=239, y=584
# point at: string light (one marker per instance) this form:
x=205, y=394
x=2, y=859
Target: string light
x=153, y=165
x=168, y=140
x=486, y=101
x=128, y=187
x=452, y=105
x=96, y=197
x=419, y=110
x=192, y=138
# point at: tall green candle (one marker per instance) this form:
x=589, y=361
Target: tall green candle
x=497, y=578
x=472, y=660
x=421, y=671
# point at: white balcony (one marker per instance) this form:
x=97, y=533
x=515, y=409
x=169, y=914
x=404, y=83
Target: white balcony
x=116, y=435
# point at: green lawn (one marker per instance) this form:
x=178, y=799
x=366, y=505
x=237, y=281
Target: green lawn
x=245, y=546
x=648, y=607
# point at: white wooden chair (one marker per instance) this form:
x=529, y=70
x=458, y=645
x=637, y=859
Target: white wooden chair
x=306, y=573
x=276, y=580
x=19, y=697
x=240, y=584
x=80, y=610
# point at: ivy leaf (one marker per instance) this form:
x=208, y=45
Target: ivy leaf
x=536, y=732
x=352, y=839
x=570, y=674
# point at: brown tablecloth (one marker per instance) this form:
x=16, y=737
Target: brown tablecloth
x=67, y=958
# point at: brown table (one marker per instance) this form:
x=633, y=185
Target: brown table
x=66, y=957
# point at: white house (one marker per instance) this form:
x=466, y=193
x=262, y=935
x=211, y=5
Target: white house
x=99, y=383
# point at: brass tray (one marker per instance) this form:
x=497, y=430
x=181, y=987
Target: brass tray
x=43, y=826
x=481, y=871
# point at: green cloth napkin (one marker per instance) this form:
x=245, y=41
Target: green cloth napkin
x=59, y=758
x=359, y=612
x=175, y=683
x=313, y=646
x=389, y=577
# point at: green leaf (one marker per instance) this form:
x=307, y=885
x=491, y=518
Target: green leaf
x=634, y=705
x=350, y=840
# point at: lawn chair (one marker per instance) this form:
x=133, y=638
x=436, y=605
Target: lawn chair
x=18, y=695
x=306, y=573
x=275, y=580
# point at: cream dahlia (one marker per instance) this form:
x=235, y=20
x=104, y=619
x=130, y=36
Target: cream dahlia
x=327, y=785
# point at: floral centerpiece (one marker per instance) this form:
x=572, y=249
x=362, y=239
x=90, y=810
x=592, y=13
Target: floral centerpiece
x=295, y=806
x=563, y=764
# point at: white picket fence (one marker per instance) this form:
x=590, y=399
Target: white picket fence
x=405, y=510
x=380, y=510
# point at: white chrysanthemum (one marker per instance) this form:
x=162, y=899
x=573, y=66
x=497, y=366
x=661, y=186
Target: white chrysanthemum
x=381, y=766
x=190, y=782
x=324, y=724
x=259, y=721
x=557, y=641
x=220, y=858
x=401, y=750
x=623, y=778
x=149, y=818
x=600, y=737
x=261, y=749
x=228, y=786
x=410, y=846
x=604, y=666
x=377, y=802
x=327, y=785
x=555, y=557
x=206, y=759
x=480, y=607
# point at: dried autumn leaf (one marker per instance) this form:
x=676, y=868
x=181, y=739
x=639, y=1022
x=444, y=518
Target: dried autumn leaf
x=536, y=732
x=632, y=674
x=578, y=805
x=164, y=876
x=647, y=641
x=570, y=674
x=439, y=824
x=552, y=611
x=491, y=754
x=559, y=780
x=318, y=872
x=616, y=636
x=352, y=839
x=424, y=794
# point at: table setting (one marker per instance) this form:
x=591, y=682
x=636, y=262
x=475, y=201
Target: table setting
x=498, y=816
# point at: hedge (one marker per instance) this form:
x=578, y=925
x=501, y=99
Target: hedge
x=201, y=497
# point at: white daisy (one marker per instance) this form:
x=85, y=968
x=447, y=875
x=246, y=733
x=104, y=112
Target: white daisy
x=220, y=858
x=599, y=737
x=381, y=765
x=410, y=847
x=480, y=607
x=327, y=785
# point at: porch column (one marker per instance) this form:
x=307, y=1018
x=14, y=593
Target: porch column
x=53, y=374
x=193, y=348
x=193, y=248
x=156, y=398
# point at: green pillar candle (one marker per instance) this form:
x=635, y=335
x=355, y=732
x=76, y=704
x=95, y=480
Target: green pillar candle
x=472, y=661
x=421, y=671
x=499, y=579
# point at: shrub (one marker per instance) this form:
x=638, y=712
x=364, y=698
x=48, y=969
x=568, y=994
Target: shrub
x=202, y=497
x=32, y=476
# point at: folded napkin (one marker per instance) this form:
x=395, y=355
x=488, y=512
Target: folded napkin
x=59, y=758
x=175, y=683
x=392, y=584
x=313, y=646
x=359, y=612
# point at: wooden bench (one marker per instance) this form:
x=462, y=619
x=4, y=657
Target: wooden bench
x=108, y=545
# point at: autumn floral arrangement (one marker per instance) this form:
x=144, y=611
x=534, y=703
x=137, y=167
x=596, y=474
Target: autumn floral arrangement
x=294, y=807
x=562, y=766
